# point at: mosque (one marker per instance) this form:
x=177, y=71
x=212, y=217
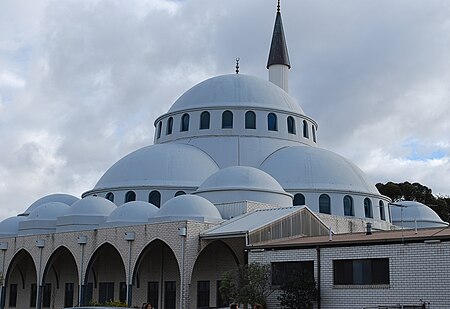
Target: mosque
x=235, y=175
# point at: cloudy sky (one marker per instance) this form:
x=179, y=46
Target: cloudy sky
x=81, y=82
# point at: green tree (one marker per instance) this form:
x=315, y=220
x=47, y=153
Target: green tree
x=298, y=292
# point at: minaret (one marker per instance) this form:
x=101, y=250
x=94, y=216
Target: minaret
x=278, y=62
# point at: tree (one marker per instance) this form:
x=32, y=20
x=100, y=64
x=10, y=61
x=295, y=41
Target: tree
x=248, y=285
x=298, y=292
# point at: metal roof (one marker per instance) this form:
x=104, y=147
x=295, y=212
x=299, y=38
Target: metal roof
x=278, y=48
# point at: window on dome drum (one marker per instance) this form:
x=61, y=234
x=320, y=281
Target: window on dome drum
x=368, y=208
x=250, y=120
x=361, y=272
x=227, y=120
x=202, y=294
x=130, y=196
x=299, y=199
x=291, y=125
x=184, y=123
x=155, y=198
x=305, y=129
x=110, y=196
x=348, y=206
x=169, y=126
x=382, y=214
x=324, y=204
x=314, y=134
x=284, y=271
x=204, y=120
x=180, y=193
x=159, y=129
x=272, y=122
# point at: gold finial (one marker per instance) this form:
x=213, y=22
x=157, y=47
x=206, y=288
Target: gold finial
x=237, y=65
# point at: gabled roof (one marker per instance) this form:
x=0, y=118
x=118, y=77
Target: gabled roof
x=278, y=48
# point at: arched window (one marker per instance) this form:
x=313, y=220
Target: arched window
x=314, y=134
x=155, y=198
x=169, y=126
x=204, y=120
x=291, y=125
x=324, y=204
x=272, y=122
x=382, y=213
x=110, y=196
x=368, y=208
x=184, y=123
x=227, y=120
x=180, y=193
x=305, y=129
x=348, y=206
x=299, y=199
x=159, y=129
x=250, y=120
x=130, y=196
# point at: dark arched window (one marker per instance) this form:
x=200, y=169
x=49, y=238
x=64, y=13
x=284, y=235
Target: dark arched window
x=348, y=206
x=180, y=193
x=204, y=120
x=130, y=196
x=184, y=123
x=159, y=129
x=227, y=120
x=169, y=126
x=250, y=120
x=368, y=208
x=272, y=122
x=110, y=196
x=299, y=199
x=155, y=198
x=382, y=214
x=314, y=134
x=305, y=129
x=324, y=204
x=291, y=125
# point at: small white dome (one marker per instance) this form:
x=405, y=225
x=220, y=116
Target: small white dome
x=172, y=164
x=413, y=212
x=237, y=90
x=58, y=197
x=9, y=227
x=188, y=207
x=239, y=183
x=42, y=220
x=313, y=168
x=136, y=212
x=88, y=213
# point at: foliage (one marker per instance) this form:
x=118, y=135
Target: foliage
x=417, y=192
x=298, y=292
x=248, y=285
x=109, y=303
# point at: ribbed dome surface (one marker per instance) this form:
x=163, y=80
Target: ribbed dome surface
x=160, y=165
x=189, y=207
x=236, y=90
x=136, y=212
x=304, y=167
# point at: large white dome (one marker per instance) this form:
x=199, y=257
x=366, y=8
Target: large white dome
x=236, y=90
x=313, y=168
x=171, y=164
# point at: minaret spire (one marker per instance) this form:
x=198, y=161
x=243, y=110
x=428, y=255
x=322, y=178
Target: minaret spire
x=278, y=62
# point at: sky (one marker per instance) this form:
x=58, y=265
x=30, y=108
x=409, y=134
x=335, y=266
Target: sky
x=81, y=82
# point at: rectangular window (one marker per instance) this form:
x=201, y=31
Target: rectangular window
x=12, y=295
x=284, y=271
x=123, y=292
x=361, y=272
x=33, y=292
x=202, y=294
x=68, y=295
x=105, y=292
x=47, y=297
x=170, y=294
x=89, y=292
x=153, y=293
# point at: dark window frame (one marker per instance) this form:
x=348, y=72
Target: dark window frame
x=203, y=293
x=368, y=211
x=272, y=122
x=325, y=205
x=184, y=125
x=291, y=125
x=382, y=211
x=282, y=272
x=169, y=128
x=47, y=295
x=227, y=120
x=130, y=196
x=154, y=198
x=299, y=199
x=374, y=271
x=305, y=129
x=349, y=205
x=12, y=295
x=250, y=120
x=205, y=120
x=69, y=292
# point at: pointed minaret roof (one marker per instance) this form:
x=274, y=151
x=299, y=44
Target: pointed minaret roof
x=278, y=49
